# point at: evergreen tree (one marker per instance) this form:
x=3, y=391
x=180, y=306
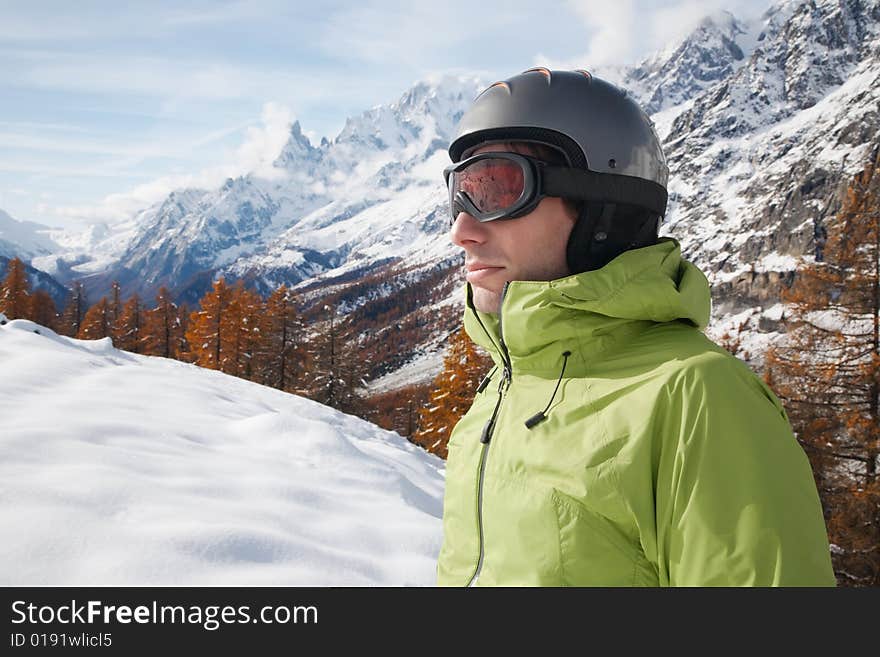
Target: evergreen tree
x=72, y=316
x=335, y=363
x=15, y=294
x=827, y=372
x=182, y=348
x=96, y=323
x=278, y=358
x=115, y=309
x=452, y=394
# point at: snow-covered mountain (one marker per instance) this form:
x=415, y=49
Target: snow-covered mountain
x=24, y=239
x=761, y=159
x=121, y=469
x=762, y=124
x=370, y=194
x=30, y=241
x=683, y=70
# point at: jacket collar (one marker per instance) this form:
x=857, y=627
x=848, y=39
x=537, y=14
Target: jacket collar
x=592, y=312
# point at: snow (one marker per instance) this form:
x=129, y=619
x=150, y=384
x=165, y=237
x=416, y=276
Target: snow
x=664, y=119
x=25, y=239
x=120, y=469
x=420, y=370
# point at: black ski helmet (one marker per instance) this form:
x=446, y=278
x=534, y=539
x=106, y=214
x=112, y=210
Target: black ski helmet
x=598, y=127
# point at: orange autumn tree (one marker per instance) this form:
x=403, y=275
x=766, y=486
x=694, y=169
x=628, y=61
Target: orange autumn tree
x=163, y=330
x=129, y=325
x=452, y=394
x=203, y=333
x=827, y=372
x=43, y=309
x=239, y=331
x=15, y=294
x=97, y=322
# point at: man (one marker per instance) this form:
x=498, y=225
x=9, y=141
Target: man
x=613, y=444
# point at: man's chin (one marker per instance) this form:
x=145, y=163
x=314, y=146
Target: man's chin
x=485, y=300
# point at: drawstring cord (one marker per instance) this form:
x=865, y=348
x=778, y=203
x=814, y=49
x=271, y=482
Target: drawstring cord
x=540, y=415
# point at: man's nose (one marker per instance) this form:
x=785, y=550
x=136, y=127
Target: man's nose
x=467, y=231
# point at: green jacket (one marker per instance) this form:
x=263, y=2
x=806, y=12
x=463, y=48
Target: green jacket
x=661, y=460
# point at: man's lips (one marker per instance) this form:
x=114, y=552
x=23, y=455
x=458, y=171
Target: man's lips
x=476, y=266
x=477, y=271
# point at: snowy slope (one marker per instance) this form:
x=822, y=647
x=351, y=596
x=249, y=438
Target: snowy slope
x=132, y=470
x=758, y=160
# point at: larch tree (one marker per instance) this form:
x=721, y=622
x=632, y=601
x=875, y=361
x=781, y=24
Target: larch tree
x=183, y=350
x=96, y=323
x=72, y=316
x=129, y=327
x=827, y=372
x=43, y=309
x=15, y=294
x=239, y=331
x=452, y=394
x=203, y=333
x=278, y=357
x=162, y=327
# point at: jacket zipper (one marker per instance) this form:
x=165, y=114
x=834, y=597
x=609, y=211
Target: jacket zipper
x=486, y=437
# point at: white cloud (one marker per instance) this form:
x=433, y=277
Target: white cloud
x=263, y=143
x=259, y=149
x=612, y=30
x=621, y=33
x=671, y=24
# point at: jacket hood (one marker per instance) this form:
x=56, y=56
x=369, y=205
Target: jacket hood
x=590, y=312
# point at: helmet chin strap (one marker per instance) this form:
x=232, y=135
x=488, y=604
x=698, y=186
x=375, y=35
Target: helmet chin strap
x=600, y=235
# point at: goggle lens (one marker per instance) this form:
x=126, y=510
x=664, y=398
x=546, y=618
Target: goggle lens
x=491, y=184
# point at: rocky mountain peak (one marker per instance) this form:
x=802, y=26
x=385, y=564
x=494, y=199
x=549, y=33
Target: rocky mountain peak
x=297, y=150
x=682, y=70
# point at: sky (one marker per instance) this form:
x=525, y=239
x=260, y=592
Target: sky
x=105, y=107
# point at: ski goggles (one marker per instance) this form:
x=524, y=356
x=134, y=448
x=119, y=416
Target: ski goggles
x=502, y=185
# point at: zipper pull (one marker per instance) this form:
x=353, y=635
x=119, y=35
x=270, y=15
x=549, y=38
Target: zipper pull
x=487, y=431
x=485, y=382
x=506, y=377
x=486, y=436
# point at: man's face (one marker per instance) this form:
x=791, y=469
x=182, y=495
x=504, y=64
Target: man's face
x=528, y=248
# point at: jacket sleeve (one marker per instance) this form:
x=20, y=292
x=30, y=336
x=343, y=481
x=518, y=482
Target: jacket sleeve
x=735, y=499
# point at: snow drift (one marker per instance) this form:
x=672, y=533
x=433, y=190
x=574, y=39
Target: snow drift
x=120, y=469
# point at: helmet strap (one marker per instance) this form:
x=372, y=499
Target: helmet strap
x=601, y=233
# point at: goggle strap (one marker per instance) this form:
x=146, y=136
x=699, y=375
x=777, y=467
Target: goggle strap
x=583, y=185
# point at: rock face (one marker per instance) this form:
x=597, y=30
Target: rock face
x=763, y=124
x=761, y=159
x=713, y=52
